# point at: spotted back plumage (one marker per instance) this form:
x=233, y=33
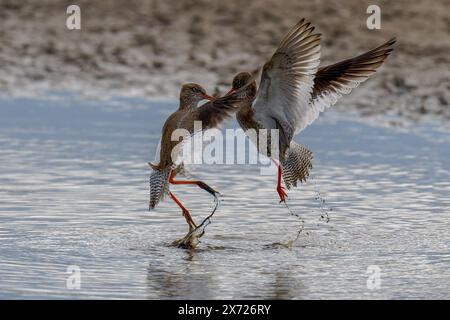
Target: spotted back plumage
x=296, y=165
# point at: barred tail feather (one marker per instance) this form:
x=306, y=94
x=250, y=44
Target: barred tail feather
x=159, y=186
x=296, y=165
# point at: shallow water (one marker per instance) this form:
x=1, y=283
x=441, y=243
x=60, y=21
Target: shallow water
x=74, y=191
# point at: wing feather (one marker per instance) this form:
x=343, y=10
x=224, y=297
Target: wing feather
x=213, y=113
x=333, y=81
x=287, y=80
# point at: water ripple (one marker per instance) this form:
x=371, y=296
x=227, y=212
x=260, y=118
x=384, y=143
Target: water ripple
x=74, y=191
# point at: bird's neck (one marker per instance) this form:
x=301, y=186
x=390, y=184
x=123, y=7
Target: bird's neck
x=187, y=103
x=246, y=110
x=245, y=118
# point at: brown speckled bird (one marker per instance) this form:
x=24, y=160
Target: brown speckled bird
x=211, y=114
x=293, y=91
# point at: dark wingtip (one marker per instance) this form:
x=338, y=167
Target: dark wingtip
x=391, y=41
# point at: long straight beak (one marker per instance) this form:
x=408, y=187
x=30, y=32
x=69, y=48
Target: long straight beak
x=207, y=97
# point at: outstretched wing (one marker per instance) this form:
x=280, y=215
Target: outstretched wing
x=213, y=113
x=208, y=116
x=333, y=81
x=287, y=80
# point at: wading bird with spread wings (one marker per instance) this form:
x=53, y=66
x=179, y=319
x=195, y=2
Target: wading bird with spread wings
x=210, y=114
x=294, y=90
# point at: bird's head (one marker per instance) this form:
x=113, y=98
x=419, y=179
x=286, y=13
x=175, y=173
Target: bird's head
x=191, y=94
x=242, y=79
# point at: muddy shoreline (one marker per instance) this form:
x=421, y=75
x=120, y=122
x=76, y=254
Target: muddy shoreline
x=148, y=48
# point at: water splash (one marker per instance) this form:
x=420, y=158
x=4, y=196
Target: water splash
x=288, y=244
x=323, y=208
x=324, y=215
x=192, y=239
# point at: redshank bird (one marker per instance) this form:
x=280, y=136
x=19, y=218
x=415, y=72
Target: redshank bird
x=211, y=114
x=293, y=91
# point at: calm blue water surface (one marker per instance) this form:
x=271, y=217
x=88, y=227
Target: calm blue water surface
x=74, y=192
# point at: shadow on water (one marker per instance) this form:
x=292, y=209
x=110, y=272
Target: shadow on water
x=187, y=279
x=181, y=280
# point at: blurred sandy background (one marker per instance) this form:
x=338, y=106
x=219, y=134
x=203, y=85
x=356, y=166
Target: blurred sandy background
x=148, y=48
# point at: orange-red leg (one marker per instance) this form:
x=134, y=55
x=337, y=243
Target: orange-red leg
x=280, y=189
x=185, y=211
x=201, y=184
